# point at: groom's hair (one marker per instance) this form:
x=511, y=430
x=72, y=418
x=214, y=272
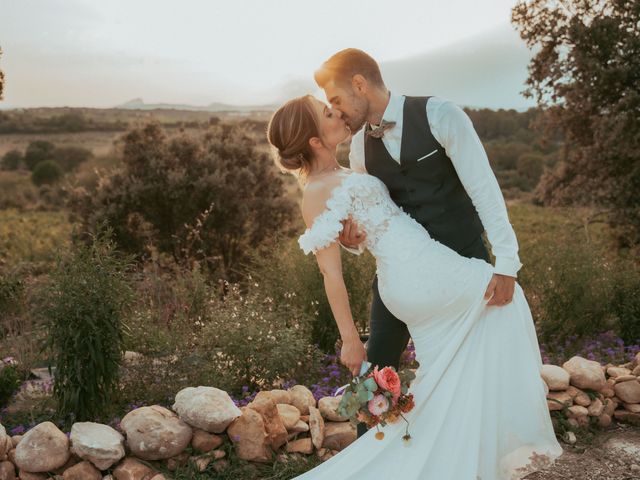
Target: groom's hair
x=342, y=66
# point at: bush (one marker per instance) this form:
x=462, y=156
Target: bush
x=209, y=199
x=46, y=172
x=71, y=157
x=38, y=151
x=11, y=160
x=84, y=309
x=261, y=338
x=286, y=270
x=9, y=382
x=11, y=302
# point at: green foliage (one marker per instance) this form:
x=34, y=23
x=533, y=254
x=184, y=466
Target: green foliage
x=11, y=160
x=11, y=300
x=71, y=157
x=38, y=151
x=285, y=270
x=84, y=310
x=261, y=338
x=46, y=172
x=211, y=199
x=587, y=71
x=9, y=381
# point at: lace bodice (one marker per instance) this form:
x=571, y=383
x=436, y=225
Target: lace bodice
x=360, y=195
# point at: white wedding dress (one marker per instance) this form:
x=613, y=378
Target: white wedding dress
x=480, y=404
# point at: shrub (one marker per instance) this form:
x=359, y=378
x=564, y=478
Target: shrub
x=11, y=160
x=84, y=309
x=46, y=172
x=70, y=157
x=9, y=381
x=286, y=270
x=210, y=199
x=38, y=151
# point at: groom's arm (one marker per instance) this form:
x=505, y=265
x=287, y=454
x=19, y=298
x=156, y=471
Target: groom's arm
x=453, y=129
x=356, y=163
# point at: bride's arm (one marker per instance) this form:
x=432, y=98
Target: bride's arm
x=330, y=263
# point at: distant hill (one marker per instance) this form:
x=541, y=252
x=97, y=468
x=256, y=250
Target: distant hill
x=138, y=104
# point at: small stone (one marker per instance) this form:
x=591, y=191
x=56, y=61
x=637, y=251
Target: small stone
x=570, y=437
x=7, y=471
x=289, y=415
x=626, y=378
x=178, y=461
x=604, y=420
x=303, y=445
x=617, y=371
x=596, y=408
x=302, y=398
x=299, y=427
x=338, y=435
x=82, y=471
x=316, y=425
x=264, y=405
x=632, y=407
x=201, y=462
x=281, y=396
x=328, y=407
x=24, y=475
x=556, y=400
x=249, y=436
x=557, y=378
x=205, y=441
x=132, y=469
x=628, y=392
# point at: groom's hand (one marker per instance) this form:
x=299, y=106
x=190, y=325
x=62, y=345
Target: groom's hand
x=351, y=236
x=352, y=355
x=500, y=290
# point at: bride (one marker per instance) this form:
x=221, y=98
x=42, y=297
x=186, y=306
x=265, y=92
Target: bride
x=480, y=404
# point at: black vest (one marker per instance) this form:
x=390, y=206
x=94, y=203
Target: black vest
x=428, y=189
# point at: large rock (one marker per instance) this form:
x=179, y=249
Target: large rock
x=249, y=436
x=302, y=398
x=264, y=405
x=132, y=469
x=585, y=373
x=6, y=443
x=100, y=444
x=155, y=433
x=618, y=371
x=280, y=396
x=82, y=471
x=207, y=408
x=556, y=378
x=7, y=471
x=302, y=445
x=316, y=424
x=596, y=408
x=205, y=441
x=289, y=415
x=328, y=407
x=628, y=392
x=338, y=435
x=43, y=448
x=579, y=397
x=557, y=400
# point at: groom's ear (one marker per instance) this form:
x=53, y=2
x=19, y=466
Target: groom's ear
x=359, y=84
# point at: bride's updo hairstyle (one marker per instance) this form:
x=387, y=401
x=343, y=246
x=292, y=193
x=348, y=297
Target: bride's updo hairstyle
x=289, y=131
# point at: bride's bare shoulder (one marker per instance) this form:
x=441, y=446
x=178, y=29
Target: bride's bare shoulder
x=315, y=196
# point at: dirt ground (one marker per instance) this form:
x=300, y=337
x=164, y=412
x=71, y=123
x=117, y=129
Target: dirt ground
x=613, y=454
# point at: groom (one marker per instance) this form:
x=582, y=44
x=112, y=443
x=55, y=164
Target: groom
x=428, y=154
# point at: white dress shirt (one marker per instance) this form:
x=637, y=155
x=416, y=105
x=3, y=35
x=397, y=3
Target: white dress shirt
x=452, y=128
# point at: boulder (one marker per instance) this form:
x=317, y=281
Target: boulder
x=273, y=424
x=249, y=436
x=100, y=444
x=289, y=414
x=303, y=445
x=6, y=443
x=132, y=469
x=205, y=441
x=628, y=392
x=207, y=408
x=7, y=471
x=43, y=448
x=338, y=435
x=618, y=371
x=155, y=433
x=316, y=425
x=557, y=378
x=328, y=407
x=302, y=398
x=82, y=471
x=281, y=396
x=596, y=408
x=585, y=373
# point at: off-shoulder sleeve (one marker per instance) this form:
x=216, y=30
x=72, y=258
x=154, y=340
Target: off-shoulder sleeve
x=327, y=225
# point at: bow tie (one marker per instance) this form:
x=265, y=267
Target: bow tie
x=378, y=132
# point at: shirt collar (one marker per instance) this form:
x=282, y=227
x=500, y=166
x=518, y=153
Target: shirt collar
x=394, y=108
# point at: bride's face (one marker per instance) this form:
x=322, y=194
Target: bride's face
x=333, y=128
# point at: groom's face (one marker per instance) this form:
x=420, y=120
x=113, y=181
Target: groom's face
x=353, y=105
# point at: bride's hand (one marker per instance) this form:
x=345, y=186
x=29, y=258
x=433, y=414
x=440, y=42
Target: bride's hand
x=351, y=236
x=352, y=355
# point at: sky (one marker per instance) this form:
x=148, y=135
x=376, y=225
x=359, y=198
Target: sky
x=98, y=53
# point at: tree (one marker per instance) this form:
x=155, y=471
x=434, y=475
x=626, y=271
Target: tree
x=211, y=199
x=586, y=75
x=70, y=157
x=11, y=160
x=46, y=172
x=38, y=151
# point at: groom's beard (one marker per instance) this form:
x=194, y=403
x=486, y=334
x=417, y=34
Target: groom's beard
x=355, y=124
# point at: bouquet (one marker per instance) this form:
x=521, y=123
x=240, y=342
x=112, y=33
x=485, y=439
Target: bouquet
x=377, y=397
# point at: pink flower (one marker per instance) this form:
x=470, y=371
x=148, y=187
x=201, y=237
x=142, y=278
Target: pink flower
x=388, y=379
x=378, y=404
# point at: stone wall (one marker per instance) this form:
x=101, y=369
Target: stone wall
x=276, y=421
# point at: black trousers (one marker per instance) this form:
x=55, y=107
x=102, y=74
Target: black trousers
x=389, y=336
